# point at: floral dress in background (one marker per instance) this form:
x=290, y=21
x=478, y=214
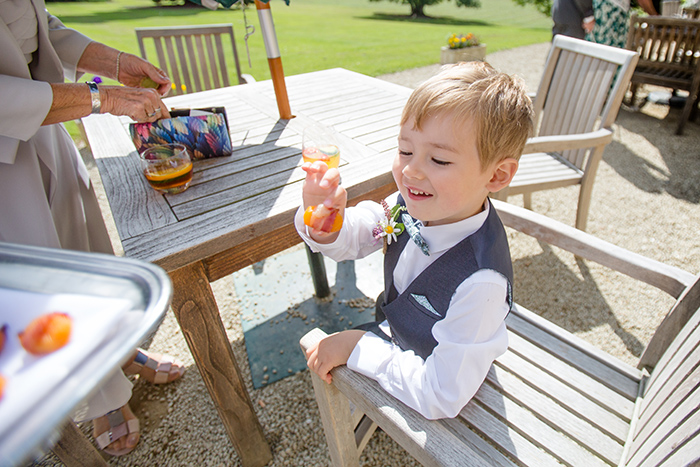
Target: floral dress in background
x=611, y=22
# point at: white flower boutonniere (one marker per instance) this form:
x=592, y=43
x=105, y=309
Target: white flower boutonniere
x=387, y=229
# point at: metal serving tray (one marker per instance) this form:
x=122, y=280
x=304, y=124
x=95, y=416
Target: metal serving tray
x=116, y=303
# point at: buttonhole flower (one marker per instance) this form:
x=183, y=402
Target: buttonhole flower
x=387, y=229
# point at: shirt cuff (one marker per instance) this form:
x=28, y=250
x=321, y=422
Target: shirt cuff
x=366, y=356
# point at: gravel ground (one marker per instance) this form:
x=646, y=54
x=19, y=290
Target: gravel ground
x=646, y=198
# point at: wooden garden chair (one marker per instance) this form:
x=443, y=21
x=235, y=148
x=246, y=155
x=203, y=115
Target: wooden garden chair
x=669, y=56
x=576, y=104
x=552, y=398
x=194, y=57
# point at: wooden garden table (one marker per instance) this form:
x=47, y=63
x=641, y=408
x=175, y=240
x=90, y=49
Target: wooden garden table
x=239, y=209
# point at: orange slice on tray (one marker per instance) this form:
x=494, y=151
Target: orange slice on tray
x=46, y=333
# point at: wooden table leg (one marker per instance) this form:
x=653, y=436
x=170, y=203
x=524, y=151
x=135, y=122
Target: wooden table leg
x=198, y=315
x=75, y=450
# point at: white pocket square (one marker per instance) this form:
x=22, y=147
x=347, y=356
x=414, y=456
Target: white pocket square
x=423, y=301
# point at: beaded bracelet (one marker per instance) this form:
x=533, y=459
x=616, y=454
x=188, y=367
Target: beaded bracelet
x=119, y=56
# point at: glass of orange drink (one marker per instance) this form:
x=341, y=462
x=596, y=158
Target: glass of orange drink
x=320, y=144
x=167, y=167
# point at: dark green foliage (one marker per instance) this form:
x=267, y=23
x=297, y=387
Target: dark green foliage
x=543, y=6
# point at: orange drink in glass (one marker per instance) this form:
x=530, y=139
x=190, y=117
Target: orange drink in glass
x=167, y=167
x=320, y=144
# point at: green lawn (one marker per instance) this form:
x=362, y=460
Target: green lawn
x=371, y=38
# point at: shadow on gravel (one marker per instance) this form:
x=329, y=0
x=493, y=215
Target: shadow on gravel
x=680, y=177
x=547, y=286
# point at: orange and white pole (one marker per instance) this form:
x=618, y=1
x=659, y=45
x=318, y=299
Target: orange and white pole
x=273, y=58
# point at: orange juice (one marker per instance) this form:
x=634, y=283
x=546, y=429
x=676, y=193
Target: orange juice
x=329, y=153
x=167, y=167
x=170, y=180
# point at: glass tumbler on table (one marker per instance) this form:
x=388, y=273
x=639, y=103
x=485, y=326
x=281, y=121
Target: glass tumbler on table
x=167, y=167
x=320, y=144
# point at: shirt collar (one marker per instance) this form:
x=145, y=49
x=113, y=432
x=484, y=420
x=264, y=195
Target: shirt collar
x=443, y=237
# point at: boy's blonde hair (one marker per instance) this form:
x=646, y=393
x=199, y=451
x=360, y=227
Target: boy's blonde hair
x=497, y=103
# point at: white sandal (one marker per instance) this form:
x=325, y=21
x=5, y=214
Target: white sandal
x=159, y=367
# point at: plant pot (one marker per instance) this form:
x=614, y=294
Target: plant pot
x=467, y=54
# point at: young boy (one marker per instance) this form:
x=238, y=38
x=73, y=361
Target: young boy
x=445, y=301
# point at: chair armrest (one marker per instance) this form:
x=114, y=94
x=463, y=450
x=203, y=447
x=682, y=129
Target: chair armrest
x=247, y=79
x=670, y=279
x=431, y=442
x=311, y=338
x=559, y=143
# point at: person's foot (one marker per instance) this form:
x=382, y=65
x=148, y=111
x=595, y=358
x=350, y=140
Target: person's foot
x=117, y=432
x=155, y=368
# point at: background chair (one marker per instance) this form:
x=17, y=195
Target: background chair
x=194, y=57
x=552, y=398
x=692, y=13
x=576, y=104
x=669, y=56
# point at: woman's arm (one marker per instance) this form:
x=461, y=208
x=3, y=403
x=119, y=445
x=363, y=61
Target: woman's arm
x=128, y=69
x=73, y=100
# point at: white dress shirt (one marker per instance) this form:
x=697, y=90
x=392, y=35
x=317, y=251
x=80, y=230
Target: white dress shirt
x=469, y=338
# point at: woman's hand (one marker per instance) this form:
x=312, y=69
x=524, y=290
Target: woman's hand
x=142, y=105
x=72, y=101
x=126, y=68
x=138, y=73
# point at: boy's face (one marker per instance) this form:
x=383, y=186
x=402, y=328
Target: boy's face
x=438, y=172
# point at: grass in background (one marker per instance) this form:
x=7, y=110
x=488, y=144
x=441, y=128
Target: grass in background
x=370, y=38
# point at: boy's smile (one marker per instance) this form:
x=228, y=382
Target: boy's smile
x=438, y=172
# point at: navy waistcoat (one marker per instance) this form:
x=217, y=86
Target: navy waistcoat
x=412, y=314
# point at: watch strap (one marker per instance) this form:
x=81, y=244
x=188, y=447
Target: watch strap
x=94, y=97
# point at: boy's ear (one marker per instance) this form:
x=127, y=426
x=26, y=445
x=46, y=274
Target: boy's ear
x=503, y=173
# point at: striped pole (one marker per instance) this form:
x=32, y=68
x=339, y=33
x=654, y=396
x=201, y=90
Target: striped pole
x=273, y=58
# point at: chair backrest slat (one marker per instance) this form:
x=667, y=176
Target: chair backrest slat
x=207, y=53
x=574, y=99
x=222, y=61
x=183, y=63
x=669, y=411
x=206, y=69
x=174, y=67
x=665, y=40
x=194, y=57
x=192, y=63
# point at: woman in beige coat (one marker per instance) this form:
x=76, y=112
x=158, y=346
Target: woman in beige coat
x=46, y=197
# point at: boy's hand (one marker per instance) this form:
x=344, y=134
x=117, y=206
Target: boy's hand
x=322, y=186
x=331, y=352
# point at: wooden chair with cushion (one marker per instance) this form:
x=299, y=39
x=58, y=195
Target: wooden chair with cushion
x=669, y=56
x=552, y=398
x=194, y=57
x=576, y=104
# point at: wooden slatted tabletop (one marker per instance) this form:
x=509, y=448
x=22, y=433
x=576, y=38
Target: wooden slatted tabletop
x=239, y=209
